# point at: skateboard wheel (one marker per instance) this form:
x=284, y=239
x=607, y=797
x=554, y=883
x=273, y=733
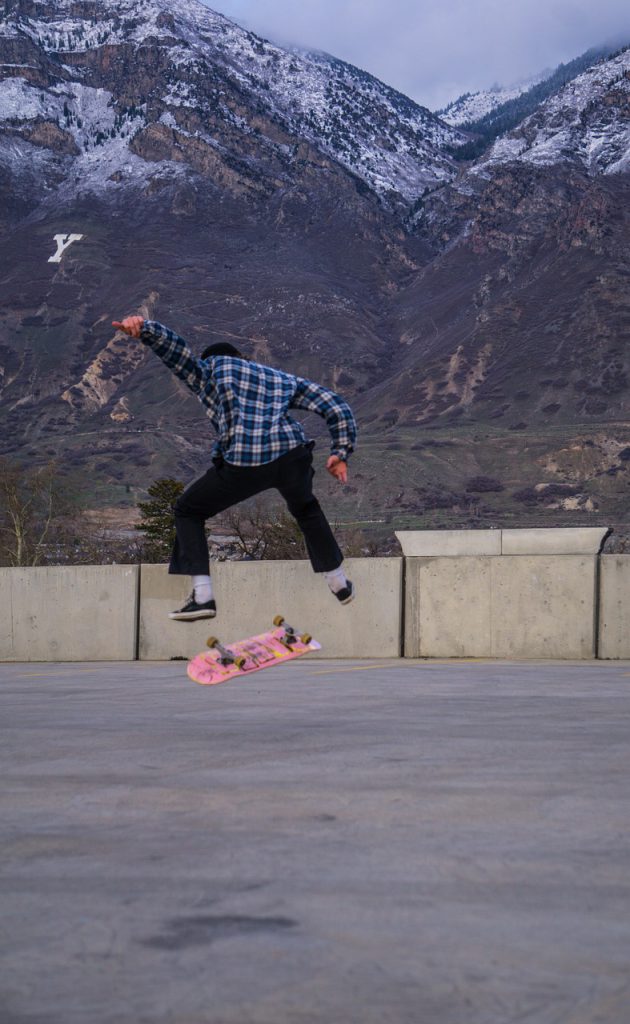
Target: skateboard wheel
x=306, y=638
x=212, y=641
x=240, y=662
x=279, y=619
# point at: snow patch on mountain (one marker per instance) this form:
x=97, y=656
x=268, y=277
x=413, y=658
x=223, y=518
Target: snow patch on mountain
x=101, y=136
x=21, y=102
x=116, y=22
x=86, y=114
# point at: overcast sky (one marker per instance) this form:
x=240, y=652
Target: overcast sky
x=435, y=50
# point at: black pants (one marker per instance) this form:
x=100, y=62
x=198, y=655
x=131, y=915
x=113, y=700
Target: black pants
x=225, y=485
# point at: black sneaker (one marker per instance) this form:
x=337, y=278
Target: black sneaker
x=192, y=610
x=346, y=594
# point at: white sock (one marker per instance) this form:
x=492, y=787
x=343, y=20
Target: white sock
x=336, y=579
x=202, y=586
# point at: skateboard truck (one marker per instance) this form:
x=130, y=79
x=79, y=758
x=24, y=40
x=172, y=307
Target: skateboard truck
x=291, y=634
x=227, y=658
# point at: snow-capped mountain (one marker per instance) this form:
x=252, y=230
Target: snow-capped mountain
x=156, y=158
x=491, y=115
x=587, y=123
x=532, y=240
x=472, y=107
x=96, y=86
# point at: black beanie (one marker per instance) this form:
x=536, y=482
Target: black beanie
x=221, y=348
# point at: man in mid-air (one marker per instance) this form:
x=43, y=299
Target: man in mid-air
x=259, y=446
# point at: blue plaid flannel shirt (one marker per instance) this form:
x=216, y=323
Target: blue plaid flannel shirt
x=248, y=403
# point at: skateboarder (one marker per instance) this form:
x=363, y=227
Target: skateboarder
x=259, y=446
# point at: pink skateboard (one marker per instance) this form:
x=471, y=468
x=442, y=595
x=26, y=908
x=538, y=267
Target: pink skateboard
x=257, y=652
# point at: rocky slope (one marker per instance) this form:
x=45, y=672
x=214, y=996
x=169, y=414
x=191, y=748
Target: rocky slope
x=110, y=86
x=507, y=396
x=539, y=229
x=516, y=330
x=476, y=318
x=215, y=181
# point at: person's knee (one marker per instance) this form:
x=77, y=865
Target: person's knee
x=307, y=509
x=184, y=508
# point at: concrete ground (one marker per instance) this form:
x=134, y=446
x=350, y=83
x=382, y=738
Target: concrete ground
x=320, y=843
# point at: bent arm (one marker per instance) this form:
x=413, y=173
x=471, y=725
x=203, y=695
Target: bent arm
x=331, y=407
x=174, y=352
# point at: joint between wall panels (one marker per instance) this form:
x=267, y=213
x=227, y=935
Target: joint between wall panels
x=597, y=604
x=402, y=646
x=136, y=638
x=598, y=594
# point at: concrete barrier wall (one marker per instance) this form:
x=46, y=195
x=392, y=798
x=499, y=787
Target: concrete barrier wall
x=68, y=613
x=250, y=594
x=506, y=606
x=501, y=607
x=614, y=611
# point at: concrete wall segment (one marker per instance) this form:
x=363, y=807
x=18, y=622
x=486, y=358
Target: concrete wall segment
x=448, y=608
x=250, y=594
x=540, y=541
x=7, y=645
x=544, y=606
x=68, y=613
x=452, y=543
x=614, y=613
x=579, y=540
x=501, y=607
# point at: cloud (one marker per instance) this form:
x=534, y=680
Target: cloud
x=435, y=51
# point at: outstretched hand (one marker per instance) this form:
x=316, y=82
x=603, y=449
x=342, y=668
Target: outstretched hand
x=338, y=468
x=131, y=325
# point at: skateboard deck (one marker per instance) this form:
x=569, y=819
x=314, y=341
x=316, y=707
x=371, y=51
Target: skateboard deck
x=220, y=663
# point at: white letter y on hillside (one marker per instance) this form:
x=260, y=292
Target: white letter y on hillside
x=63, y=241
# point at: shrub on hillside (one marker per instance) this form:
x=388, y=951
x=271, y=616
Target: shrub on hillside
x=483, y=484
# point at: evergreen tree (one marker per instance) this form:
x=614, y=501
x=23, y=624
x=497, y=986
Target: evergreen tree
x=158, y=519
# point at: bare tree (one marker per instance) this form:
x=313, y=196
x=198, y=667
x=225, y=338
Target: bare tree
x=87, y=538
x=355, y=543
x=263, y=532
x=32, y=501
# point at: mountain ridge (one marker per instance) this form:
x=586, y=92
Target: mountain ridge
x=472, y=315
x=213, y=68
